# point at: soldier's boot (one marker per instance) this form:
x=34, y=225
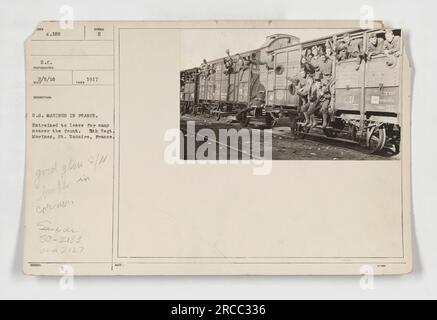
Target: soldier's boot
x=307, y=119
x=358, y=66
x=313, y=122
x=325, y=120
x=331, y=116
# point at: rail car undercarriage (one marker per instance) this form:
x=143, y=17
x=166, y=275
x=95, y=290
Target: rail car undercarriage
x=372, y=135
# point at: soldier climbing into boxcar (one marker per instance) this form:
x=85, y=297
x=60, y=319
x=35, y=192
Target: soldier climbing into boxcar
x=269, y=62
x=205, y=69
x=392, y=47
x=299, y=87
x=239, y=63
x=247, y=63
x=229, y=63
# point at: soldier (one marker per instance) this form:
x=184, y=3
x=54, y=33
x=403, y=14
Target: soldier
x=229, y=63
x=348, y=49
x=329, y=49
x=330, y=54
x=325, y=102
x=204, y=69
x=243, y=64
x=239, y=63
x=306, y=56
x=250, y=60
x=340, y=50
x=299, y=86
x=311, y=90
x=392, y=47
x=269, y=62
x=315, y=60
x=320, y=98
x=325, y=66
x=374, y=46
x=307, y=67
x=310, y=109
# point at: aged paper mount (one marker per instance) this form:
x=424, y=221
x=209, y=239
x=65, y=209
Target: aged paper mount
x=101, y=199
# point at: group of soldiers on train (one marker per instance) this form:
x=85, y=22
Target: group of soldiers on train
x=314, y=84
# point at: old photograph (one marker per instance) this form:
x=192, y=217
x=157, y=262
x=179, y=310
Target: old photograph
x=321, y=94
x=226, y=167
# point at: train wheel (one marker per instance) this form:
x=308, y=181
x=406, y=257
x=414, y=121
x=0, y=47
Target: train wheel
x=376, y=139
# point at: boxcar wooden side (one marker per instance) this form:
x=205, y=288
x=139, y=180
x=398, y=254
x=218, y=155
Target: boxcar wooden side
x=189, y=81
x=373, y=92
x=285, y=51
x=286, y=66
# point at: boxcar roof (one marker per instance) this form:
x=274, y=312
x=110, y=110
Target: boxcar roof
x=189, y=70
x=233, y=55
x=318, y=41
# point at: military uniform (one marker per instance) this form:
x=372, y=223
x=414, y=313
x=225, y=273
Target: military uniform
x=239, y=64
x=229, y=65
x=315, y=62
x=205, y=69
x=308, y=68
x=349, y=50
x=392, y=49
x=341, y=51
x=394, y=46
x=375, y=49
x=299, y=86
x=355, y=48
x=326, y=70
x=313, y=96
x=297, y=82
x=320, y=99
x=325, y=102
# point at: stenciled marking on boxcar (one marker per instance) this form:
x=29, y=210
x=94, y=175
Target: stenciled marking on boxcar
x=383, y=100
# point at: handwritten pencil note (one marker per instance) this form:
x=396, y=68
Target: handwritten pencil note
x=112, y=107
